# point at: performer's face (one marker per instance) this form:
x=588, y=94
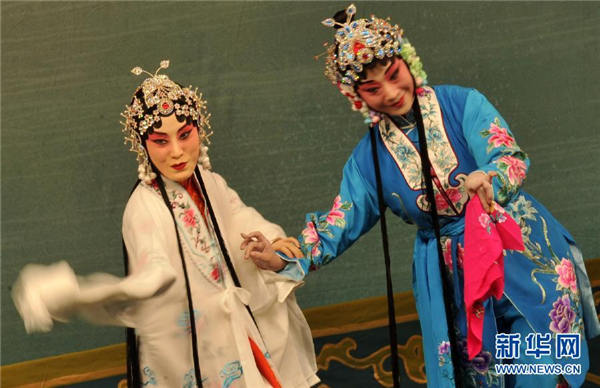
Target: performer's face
x=174, y=148
x=388, y=88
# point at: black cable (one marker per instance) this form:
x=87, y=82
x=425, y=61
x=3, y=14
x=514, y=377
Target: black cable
x=446, y=290
x=388, y=272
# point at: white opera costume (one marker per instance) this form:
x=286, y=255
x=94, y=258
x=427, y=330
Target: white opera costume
x=152, y=299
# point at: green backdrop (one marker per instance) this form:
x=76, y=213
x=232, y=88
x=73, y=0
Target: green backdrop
x=281, y=132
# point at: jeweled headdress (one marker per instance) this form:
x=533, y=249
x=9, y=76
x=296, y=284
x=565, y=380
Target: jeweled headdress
x=161, y=97
x=359, y=42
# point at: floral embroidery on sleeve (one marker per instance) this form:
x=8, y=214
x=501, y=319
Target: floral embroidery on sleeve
x=322, y=225
x=498, y=136
x=311, y=239
x=514, y=168
x=511, y=161
x=335, y=216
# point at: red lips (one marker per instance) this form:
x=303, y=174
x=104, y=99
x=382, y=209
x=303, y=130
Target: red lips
x=179, y=166
x=399, y=103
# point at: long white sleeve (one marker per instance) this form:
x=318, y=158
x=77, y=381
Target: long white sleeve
x=43, y=293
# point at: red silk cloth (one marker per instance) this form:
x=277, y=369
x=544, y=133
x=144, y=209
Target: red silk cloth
x=486, y=237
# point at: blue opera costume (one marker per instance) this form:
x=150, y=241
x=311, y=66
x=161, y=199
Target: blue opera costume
x=546, y=287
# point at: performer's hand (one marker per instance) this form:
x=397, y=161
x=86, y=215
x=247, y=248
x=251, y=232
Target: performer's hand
x=289, y=246
x=261, y=252
x=480, y=183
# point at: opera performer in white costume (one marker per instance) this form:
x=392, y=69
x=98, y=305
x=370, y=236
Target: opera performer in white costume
x=182, y=230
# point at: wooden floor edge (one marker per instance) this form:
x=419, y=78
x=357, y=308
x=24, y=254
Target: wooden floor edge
x=353, y=327
x=593, y=378
x=22, y=374
x=80, y=378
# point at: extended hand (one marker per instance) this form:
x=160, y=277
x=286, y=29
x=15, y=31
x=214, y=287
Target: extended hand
x=480, y=183
x=289, y=246
x=260, y=250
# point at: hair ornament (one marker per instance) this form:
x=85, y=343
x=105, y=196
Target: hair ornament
x=359, y=42
x=162, y=97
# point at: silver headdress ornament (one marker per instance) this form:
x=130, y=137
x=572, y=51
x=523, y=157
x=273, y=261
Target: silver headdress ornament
x=161, y=98
x=359, y=42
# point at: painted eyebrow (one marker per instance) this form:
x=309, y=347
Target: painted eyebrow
x=361, y=83
x=159, y=133
x=390, y=68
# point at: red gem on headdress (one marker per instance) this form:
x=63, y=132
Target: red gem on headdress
x=358, y=104
x=357, y=47
x=165, y=105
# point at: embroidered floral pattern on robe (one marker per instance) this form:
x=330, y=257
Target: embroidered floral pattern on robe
x=335, y=217
x=511, y=167
x=202, y=247
x=441, y=154
x=564, y=316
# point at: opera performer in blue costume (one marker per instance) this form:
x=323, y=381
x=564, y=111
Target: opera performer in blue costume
x=471, y=152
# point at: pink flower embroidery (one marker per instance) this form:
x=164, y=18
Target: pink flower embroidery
x=315, y=250
x=447, y=250
x=515, y=169
x=484, y=220
x=188, y=218
x=335, y=214
x=440, y=202
x=454, y=196
x=499, y=136
x=460, y=252
x=566, y=275
x=310, y=236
